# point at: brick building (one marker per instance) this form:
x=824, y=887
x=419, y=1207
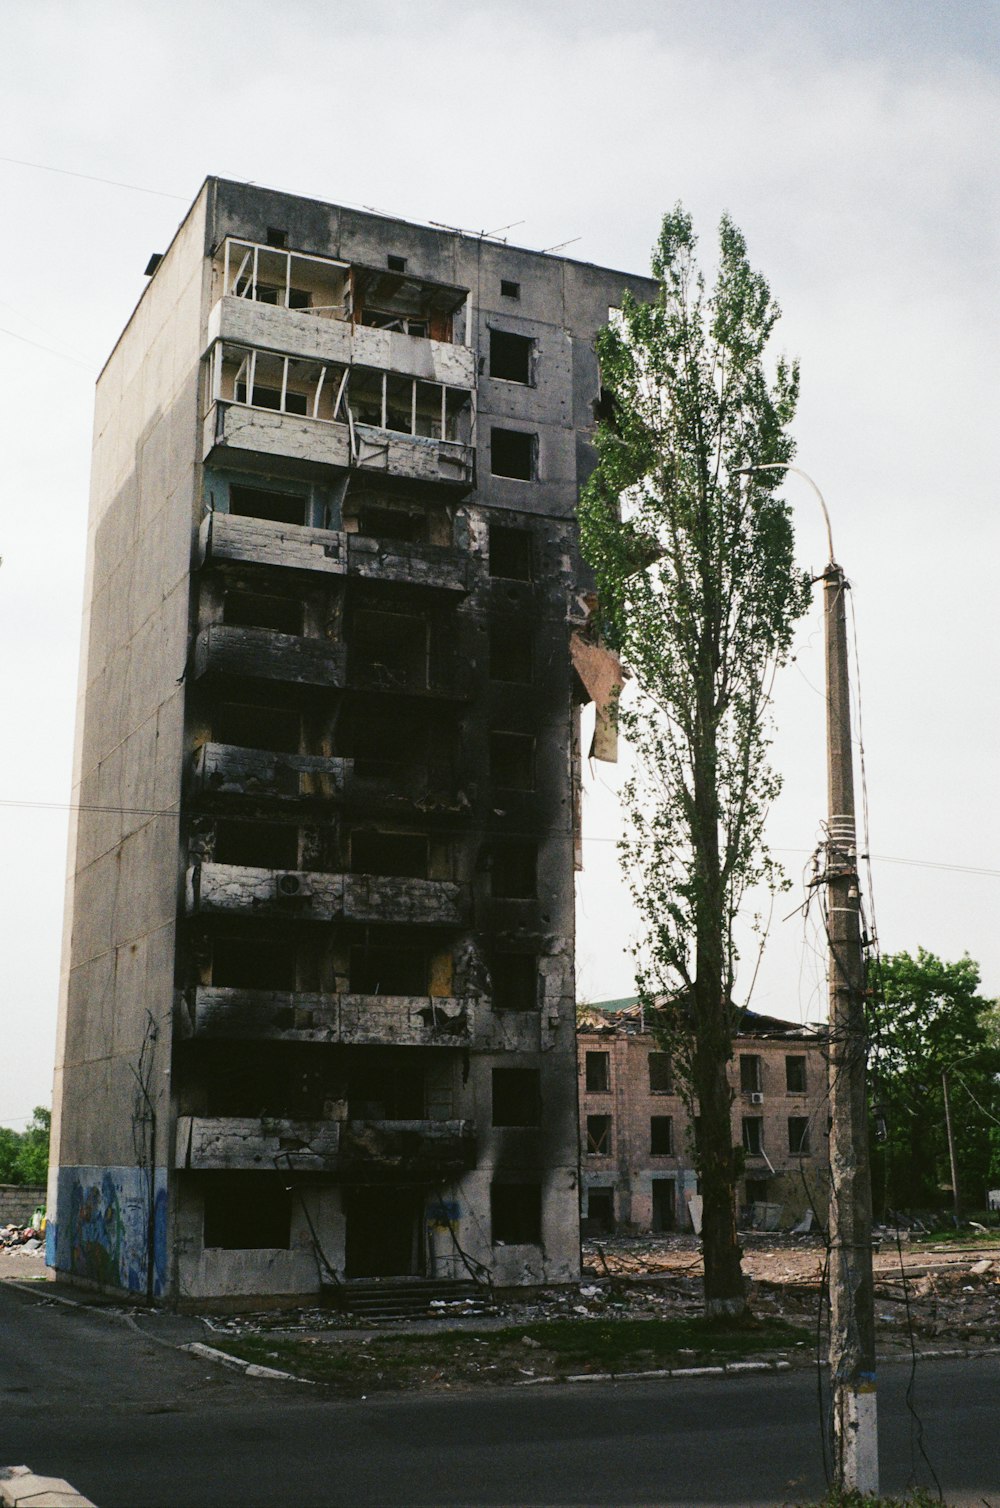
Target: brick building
x=636, y=1142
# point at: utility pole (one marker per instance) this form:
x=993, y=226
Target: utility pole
x=951, y=1149
x=852, y=1299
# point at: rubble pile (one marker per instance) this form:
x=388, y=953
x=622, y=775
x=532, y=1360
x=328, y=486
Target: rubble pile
x=25, y=1238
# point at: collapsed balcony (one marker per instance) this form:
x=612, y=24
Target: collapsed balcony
x=311, y=896
x=334, y=414
x=300, y=1016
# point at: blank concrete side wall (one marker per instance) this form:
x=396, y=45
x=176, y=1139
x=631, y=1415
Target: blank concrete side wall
x=122, y=884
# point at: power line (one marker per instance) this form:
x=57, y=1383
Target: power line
x=137, y=188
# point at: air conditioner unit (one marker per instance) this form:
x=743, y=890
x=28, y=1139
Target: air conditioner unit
x=756, y=1099
x=291, y=886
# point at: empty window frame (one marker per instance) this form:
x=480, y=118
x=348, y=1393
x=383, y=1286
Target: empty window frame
x=257, y=845
x=402, y=324
x=661, y=1135
x=407, y=405
x=795, y=1075
x=510, y=356
x=750, y=1073
x=382, y=969
x=598, y=1136
x=798, y=1135
x=597, y=1072
x=384, y=742
x=756, y=1190
x=510, y=553
x=753, y=1135
x=247, y=1212
x=395, y=263
x=512, y=453
x=377, y=521
x=509, y=288
x=261, y=610
x=514, y=869
x=661, y=1075
x=243, y=962
x=517, y=1099
x=271, y=274
x=515, y=1214
x=664, y=1192
x=389, y=649
x=512, y=761
x=402, y=854
x=511, y=652
x=514, y=978
x=249, y=726
x=260, y=502
x=285, y=384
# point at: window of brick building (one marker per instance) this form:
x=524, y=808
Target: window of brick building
x=798, y=1135
x=795, y=1075
x=661, y=1078
x=516, y=1097
x=753, y=1135
x=597, y=1066
x=598, y=1136
x=750, y=1073
x=661, y=1135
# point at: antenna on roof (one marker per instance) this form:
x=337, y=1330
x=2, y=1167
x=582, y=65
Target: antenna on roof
x=561, y=244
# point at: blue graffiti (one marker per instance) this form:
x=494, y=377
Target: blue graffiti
x=101, y=1230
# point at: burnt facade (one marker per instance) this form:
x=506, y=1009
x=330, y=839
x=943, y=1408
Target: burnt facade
x=637, y=1136
x=318, y=1003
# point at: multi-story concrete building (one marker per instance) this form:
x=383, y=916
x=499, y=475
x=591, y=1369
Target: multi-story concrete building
x=317, y=1018
x=636, y=1135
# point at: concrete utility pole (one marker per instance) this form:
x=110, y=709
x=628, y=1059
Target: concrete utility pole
x=852, y=1300
x=956, y=1198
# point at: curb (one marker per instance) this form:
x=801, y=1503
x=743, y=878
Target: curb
x=236, y=1363
x=728, y=1370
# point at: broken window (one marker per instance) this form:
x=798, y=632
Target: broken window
x=798, y=1135
x=514, y=869
x=380, y=522
x=597, y=1068
x=664, y=1204
x=756, y=1190
x=511, y=652
x=512, y=760
x=277, y=729
x=383, y=969
x=247, y=1212
x=598, y=1136
x=395, y=263
x=389, y=649
x=516, y=1097
x=244, y=962
x=383, y=742
x=515, y=981
x=512, y=453
x=753, y=1135
x=284, y=384
x=408, y=405
x=402, y=854
x=259, y=845
x=516, y=1214
x=661, y=1076
x=510, y=553
x=260, y=610
x=403, y=324
x=795, y=1075
x=260, y=502
x=661, y=1135
x=510, y=356
x=750, y=1073
x=382, y=1087
x=271, y=274
x=601, y=1208
x=510, y=289
x=276, y=237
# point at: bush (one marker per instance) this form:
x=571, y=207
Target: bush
x=24, y=1155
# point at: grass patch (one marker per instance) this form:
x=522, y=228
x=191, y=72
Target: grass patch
x=553, y=1348
x=918, y=1498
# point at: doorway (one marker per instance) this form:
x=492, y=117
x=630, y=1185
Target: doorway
x=384, y=1233
x=664, y=1204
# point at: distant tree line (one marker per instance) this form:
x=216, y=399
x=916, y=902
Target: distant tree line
x=24, y=1155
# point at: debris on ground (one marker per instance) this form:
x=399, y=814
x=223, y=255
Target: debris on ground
x=26, y=1238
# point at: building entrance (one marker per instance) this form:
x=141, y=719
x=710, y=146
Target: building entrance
x=384, y=1233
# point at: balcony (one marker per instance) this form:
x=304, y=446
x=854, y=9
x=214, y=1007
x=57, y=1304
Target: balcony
x=239, y=890
x=215, y=1142
x=255, y=774
x=393, y=1150
x=225, y=649
x=353, y=1020
x=438, y=566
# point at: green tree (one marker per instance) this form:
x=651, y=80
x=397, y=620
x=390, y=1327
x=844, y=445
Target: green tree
x=929, y=1019
x=699, y=595
x=33, y=1153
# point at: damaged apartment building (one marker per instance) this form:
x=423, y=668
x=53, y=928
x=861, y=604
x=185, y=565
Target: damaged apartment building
x=317, y=1019
x=637, y=1137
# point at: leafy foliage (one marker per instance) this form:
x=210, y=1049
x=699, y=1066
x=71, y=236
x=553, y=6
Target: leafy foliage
x=929, y=1019
x=699, y=594
x=24, y=1155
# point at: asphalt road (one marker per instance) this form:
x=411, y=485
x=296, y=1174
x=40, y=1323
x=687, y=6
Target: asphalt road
x=134, y=1424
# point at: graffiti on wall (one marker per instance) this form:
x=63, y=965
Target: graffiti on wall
x=101, y=1230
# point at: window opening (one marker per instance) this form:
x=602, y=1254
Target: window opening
x=390, y=649
x=512, y=454
x=382, y=969
x=257, y=845
x=383, y=742
x=753, y=1135
x=601, y=1209
x=515, y=981
x=259, y=502
x=510, y=356
x=378, y=521
x=511, y=657
x=402, y=854
x=510, y=553
x=276, y=237
x=512, y=759
x=597, y=1067
x=247, y=1212
x=270, y=273
x=598, y=1136
x=402, y=324
x=252, y=963
x=661, y=1076
x=381, y=1088
x=795, y=1075
x=750, y=1074
x=664, y=1204
x=509, y=289
x=395, y=263
x=798, y=1135
x=516, y=1214
x=258, y=610
x=661, y=1135
x=516, y=1097
x=277, y=729
x=514, y=870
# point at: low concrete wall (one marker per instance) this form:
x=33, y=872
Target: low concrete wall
x=18, y=1202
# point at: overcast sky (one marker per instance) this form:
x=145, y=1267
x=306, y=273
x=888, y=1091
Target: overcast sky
x=856, y=146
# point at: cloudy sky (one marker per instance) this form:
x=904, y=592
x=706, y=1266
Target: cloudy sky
x=855, y=144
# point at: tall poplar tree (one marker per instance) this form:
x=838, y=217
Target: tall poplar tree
x=699, y=595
